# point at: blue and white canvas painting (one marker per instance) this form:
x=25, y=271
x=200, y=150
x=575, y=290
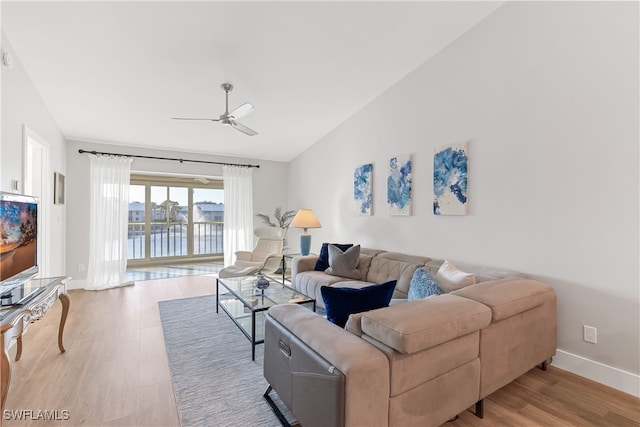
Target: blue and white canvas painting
x=399, y=186
x=362, y=178
x=450, y=180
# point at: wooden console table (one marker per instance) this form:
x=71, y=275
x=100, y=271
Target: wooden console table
x=16, y=319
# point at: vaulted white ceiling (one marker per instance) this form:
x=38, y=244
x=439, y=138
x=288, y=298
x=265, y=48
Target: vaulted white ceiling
x=115, y=72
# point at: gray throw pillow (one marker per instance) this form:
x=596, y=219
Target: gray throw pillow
x=344, y=264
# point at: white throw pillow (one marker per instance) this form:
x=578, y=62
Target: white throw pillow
x=449, y=277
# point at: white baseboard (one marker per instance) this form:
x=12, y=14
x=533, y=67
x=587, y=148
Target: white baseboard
x=76, y=284
x=82, y=284
x=599, y=372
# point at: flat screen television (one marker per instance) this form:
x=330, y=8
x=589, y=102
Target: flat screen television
x=18, y=239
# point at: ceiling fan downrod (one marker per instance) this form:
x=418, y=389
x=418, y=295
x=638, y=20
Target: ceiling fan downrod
x=226, y=87
x=224, y=119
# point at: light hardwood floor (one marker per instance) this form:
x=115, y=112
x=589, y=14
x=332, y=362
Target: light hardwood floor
x=115, y=372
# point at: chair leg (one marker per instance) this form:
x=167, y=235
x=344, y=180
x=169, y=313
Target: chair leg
x=480, y=408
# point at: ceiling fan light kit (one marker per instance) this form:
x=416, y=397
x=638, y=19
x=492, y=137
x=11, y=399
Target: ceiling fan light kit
x=229, y=118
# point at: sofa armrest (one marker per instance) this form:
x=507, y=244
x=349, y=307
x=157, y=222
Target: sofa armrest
x=354, y=324
x=302, y=263
x=417, y=325
x=366, y=369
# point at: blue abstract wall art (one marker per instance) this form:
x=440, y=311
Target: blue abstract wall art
x=362, y=181
x=450, y=180
x=399, y=186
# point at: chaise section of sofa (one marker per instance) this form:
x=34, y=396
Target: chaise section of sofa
x=522, y=333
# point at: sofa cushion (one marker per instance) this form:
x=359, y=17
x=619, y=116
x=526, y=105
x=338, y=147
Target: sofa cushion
x=417, y=325
x=323, y=258
x=309, y=282
x=450, y=277
x=508, y=297
x=422, y=285
x=483, y=273
x=341, y=302
x=411, y=259
x=370, y=252
x=384, y=269
x=344, y=263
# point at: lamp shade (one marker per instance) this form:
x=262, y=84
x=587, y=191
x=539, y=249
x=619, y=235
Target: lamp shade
x=305, y=218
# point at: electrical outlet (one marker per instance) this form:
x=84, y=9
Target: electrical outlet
x=590, y=334
x=80, y=267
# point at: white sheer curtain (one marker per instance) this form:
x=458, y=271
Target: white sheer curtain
x=109, y=206
x=238, y=211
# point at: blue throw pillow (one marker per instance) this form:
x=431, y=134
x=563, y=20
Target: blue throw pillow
x=422, y=285
x=323, y=259
x=339, y=303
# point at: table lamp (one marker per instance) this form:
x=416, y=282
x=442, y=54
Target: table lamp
x=305, y=218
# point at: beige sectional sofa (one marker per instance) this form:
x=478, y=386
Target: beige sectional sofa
x=377, y=266
x=416, y=363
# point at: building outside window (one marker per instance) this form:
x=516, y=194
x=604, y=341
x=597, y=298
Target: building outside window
x=174, y=218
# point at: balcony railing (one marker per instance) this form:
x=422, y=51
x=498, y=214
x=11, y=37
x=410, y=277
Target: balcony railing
x=170, y=239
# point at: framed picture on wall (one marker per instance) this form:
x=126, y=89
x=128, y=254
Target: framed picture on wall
x=362, y=196
x=58, y=188
x=399, y=186
x=450, y=180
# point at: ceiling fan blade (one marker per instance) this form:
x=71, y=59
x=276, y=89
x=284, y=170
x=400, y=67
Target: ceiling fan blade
x=242, y=110
x=190, y=118
x=242, y=128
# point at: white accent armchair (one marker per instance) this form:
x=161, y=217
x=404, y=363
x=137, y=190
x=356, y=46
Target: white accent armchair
x=266, y=254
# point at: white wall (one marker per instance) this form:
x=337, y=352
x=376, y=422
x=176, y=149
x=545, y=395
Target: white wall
x=547, y=97
x=22, y=105
x=269, y=188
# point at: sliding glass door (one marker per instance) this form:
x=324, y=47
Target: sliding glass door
x=173, y=218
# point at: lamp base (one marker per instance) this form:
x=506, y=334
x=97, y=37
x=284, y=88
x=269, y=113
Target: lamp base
x=305, y=244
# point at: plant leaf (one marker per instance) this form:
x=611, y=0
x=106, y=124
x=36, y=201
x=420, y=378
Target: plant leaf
x=266, y=219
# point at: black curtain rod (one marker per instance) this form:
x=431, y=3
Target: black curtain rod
x=81, y=151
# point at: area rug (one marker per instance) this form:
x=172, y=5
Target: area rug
x=215, y=382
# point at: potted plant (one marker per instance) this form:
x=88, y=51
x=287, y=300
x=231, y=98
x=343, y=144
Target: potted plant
x=281, y=219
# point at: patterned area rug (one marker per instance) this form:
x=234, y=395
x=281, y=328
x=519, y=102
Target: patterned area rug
x=214, y=380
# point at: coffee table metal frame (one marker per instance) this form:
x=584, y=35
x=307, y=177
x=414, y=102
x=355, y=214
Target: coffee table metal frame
x=242, y=290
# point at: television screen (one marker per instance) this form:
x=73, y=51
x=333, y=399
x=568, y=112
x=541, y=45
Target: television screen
x=18, y=236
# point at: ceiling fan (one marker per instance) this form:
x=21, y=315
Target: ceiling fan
x=229, y=118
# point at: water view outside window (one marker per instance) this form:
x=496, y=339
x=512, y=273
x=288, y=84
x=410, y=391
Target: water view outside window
x=169, y=224
x=137, y=229
x=173, y=224
x=208, y=221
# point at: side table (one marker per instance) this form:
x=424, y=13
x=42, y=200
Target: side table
x=15, y=319
x=289, y=257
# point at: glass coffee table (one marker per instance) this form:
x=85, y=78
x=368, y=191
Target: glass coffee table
x=245, y=304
